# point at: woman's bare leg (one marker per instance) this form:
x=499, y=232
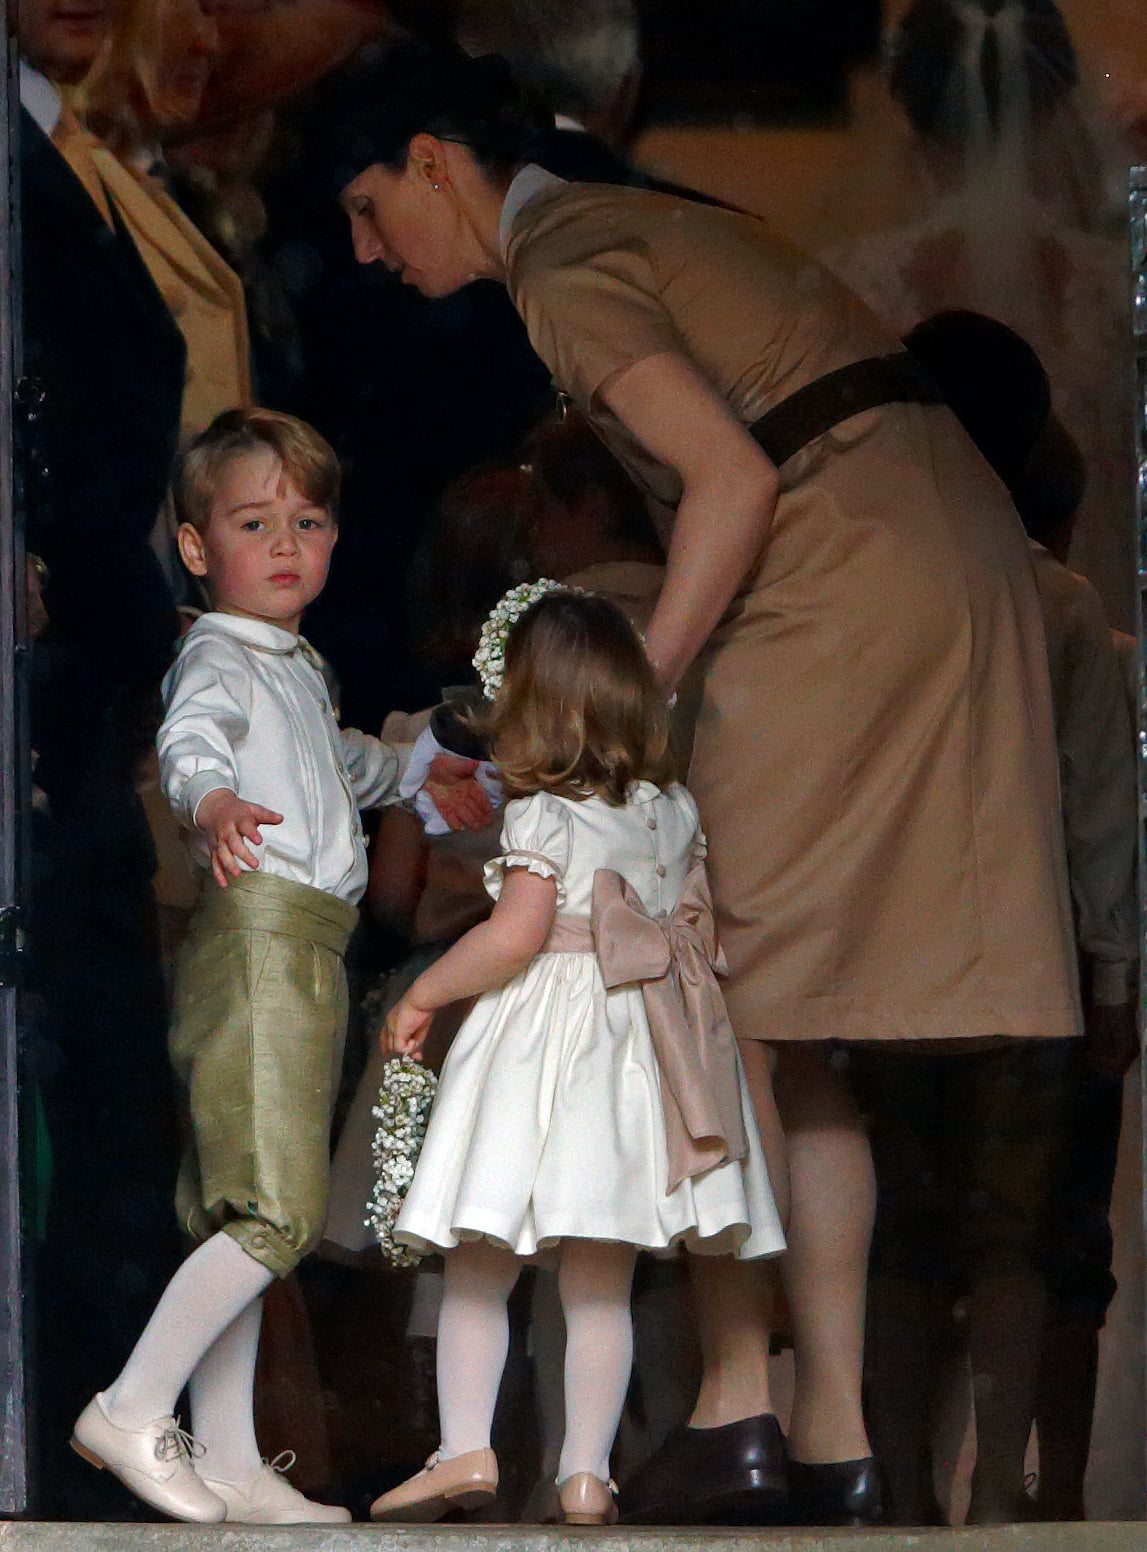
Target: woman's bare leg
x=728, y=1465
x=832, y=1195
x=732, y=1297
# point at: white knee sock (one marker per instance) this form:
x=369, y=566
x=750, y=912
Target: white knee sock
x=214, y=1285
x=223, y=1401
x=473, y=1339
x=594, y=1282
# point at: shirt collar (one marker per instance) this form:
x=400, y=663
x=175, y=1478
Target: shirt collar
x=642, y=792
x=41, y=99
x=252, y=633
x=531, y=181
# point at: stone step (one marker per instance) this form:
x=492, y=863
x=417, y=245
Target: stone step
x=39, y=1536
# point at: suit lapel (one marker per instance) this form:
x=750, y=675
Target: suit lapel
x=114, y=263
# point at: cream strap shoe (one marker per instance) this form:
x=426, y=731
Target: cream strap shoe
x=269, y=1499
x=587, y=1500
x=153, y=1461
x=459, y=1482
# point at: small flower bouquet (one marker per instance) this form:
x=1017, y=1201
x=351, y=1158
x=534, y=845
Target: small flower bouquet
x=404, y=1101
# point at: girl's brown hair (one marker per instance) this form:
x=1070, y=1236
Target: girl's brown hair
x=580, y=712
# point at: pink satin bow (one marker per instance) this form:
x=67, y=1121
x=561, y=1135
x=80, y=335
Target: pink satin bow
x=675, y=961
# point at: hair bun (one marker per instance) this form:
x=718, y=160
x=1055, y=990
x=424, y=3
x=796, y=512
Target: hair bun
x=386, y=97
x=1025, y=63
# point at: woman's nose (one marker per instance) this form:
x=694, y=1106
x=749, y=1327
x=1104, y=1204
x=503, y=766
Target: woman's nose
x=367, y=246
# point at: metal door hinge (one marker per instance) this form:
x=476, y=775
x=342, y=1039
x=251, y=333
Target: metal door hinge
x=12, y=945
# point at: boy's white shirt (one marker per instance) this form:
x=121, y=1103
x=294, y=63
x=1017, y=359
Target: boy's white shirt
x=246, y=708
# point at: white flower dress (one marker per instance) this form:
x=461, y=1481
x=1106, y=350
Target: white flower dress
x=548, y=1121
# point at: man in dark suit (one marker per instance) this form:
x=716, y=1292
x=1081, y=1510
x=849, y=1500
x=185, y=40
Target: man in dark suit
x=101, y=347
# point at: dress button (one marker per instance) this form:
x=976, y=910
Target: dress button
x=652, y=823
x=660, y=870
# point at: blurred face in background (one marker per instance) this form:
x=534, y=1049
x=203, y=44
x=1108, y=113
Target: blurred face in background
x=150, y=79
x=187, y=48
x=63, y=37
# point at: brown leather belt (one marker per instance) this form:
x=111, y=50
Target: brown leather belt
x=837, y=396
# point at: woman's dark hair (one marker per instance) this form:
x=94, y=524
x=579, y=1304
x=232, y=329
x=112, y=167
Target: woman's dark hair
x=568, y=461
x=389, y=95
x=991, y=378
x=997, y=387
x=928, y=76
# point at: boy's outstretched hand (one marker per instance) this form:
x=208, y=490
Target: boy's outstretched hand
x=229, y=822
x=458, y=796
x=405, y=1030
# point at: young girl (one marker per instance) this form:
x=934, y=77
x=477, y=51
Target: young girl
x=593, y=1100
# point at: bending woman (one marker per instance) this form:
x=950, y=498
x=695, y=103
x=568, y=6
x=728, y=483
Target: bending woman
x=874, y=757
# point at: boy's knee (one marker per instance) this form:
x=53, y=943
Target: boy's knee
x=278, y=1246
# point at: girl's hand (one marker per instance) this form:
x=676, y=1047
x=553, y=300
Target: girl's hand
x=405, y=1030
x=229, y=822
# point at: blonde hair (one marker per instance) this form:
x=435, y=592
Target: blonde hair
x=580, y=712
x=308, y=460
x=121, y=97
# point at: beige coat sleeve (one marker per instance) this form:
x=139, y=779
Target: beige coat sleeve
x=1097, y=765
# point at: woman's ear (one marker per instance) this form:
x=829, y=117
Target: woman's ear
x=191, y=550
x=427, y=156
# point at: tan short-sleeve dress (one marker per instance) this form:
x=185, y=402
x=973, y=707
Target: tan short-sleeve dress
x=874, y=758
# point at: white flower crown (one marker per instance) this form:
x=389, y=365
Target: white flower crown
x=490, y=658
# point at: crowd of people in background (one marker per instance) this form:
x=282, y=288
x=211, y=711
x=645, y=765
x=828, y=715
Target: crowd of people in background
x=185, y=253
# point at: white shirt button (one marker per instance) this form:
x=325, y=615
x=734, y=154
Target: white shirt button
x=652, y=823
x=660, y=870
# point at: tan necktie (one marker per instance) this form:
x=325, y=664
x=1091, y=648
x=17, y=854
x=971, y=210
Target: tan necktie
x=75, y=144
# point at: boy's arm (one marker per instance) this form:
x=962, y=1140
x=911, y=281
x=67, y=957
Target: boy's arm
x=208, y=706
x=377, y=770
x=207, y=712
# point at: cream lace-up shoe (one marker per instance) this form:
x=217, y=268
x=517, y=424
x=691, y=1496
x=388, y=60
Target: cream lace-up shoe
x=153, y=1461
x=269, y=1499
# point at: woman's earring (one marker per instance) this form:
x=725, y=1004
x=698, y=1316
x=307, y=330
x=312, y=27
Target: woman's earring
x=436, y=187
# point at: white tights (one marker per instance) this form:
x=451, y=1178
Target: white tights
x=204, y=1332
x=473, y=1336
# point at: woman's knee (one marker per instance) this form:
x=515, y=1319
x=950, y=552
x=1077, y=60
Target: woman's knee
x=813, y=1086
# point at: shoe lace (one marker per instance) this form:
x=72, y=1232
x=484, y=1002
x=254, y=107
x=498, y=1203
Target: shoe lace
x=175, y=1441
x=282, y=1462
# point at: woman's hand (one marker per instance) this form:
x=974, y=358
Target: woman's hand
x=406, y=1029
x=458, y=796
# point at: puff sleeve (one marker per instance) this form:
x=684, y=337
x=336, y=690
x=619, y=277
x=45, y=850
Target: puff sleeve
x=536, y=836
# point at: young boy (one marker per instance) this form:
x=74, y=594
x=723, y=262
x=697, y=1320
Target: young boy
x=260, y=998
